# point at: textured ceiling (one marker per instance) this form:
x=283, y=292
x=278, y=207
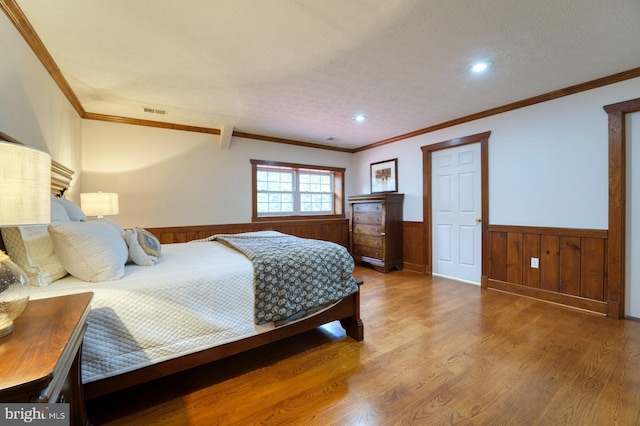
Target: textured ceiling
x=302, y=69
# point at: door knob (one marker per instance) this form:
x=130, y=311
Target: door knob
x=478, y=220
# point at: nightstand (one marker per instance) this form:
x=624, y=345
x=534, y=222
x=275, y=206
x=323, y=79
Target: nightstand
x=40, y=360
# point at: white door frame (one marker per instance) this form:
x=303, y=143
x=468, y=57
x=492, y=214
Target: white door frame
x=483, y=139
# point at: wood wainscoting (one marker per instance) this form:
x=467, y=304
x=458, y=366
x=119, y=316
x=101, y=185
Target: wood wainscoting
x=572, y=264
x=413, y=246
x=335, y=230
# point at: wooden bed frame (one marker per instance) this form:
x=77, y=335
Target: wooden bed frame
x=347, y=311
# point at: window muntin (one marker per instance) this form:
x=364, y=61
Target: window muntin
x=291, y=190
x=316, y=192
x=275, y=192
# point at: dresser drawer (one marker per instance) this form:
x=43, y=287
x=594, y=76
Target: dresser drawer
x=367, y=207
x=367, y=218
x=361, y=229
x=367, y=240
x=372, y=252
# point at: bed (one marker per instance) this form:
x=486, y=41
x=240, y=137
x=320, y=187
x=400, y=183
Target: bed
x=172, y=307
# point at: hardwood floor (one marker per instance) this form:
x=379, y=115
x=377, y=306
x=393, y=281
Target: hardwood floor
x=436, y=351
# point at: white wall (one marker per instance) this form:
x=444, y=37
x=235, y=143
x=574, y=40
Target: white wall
x=174, y=178
x=33, y=110
x=632, y=291
x=548, y=162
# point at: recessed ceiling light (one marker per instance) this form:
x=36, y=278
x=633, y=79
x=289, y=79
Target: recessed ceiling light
x=480, y=66
x=359, y=118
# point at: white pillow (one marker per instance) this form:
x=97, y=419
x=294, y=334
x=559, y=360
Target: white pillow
x=58, y=212
x=75, y=213
x=31, y=248
x=113, y=224
x=91, y=251
x=144, y=247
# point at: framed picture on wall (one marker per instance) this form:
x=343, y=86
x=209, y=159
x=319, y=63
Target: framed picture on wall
x=384, y=176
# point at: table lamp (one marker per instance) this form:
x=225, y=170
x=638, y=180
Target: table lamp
x=99, y=204
x=25, y=188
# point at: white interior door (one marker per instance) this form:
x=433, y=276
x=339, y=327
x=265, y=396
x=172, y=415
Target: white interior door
x=632, y=250
x=456, y=212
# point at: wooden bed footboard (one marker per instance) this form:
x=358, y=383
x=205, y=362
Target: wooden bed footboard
x=347, y=311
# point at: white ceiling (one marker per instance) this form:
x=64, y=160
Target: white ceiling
x=301, y=69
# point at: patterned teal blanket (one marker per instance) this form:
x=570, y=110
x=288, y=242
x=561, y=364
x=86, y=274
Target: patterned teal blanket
x=293, y=275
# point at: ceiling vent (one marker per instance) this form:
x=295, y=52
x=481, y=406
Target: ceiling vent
x=155, y=111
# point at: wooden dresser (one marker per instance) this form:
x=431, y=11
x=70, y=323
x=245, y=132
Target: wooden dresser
x=375, y=229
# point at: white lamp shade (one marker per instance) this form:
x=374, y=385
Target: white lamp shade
x=25, y=185
x=99, y=203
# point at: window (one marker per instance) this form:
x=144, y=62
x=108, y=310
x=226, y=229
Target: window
x=296, y=191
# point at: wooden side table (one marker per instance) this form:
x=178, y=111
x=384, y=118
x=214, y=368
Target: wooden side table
x=40, y=360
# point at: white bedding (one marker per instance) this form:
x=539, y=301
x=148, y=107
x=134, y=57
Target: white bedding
x=198, y=295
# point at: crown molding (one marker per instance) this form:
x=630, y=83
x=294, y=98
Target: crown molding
x=20, y=21
x=290, y=142
x=149, y=123
x=22, y=24
x=582, y=87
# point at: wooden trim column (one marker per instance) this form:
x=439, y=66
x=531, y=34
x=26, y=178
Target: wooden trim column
x=617, y=206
